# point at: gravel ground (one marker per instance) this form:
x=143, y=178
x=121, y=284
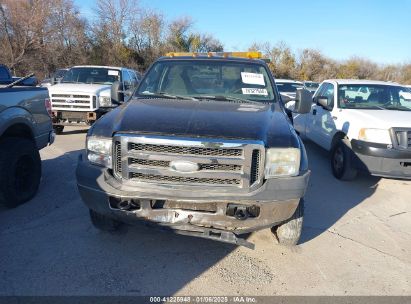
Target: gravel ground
x=356, y=241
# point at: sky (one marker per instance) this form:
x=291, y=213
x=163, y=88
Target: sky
x=374, y=29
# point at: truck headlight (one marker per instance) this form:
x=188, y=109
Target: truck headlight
x=379, y=136
x=99, y=151
x=281, y=162
x=105, y=101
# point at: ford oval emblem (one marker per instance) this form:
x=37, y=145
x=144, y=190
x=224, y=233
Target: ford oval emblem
x=69, y=100
x=184, y=166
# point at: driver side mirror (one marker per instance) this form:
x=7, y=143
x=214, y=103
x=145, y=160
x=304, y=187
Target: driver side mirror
x=303, y=101
x=117, y=92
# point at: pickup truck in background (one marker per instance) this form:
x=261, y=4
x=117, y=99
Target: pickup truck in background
x=366, y=126
x=288, y=88
x=84, y=94
x=204, y=147
x=25, y=128
x=7, y=78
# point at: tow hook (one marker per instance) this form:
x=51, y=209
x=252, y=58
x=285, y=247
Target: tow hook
x=124, y=205
x=242, y=212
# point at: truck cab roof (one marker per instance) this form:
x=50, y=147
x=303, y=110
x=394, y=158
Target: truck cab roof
x=361, y=81
x=100, y=66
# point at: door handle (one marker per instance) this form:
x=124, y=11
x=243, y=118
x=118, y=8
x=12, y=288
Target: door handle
x=315, y=112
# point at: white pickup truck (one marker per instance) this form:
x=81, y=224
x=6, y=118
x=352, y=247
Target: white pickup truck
x=84, y=93
x=366, y=125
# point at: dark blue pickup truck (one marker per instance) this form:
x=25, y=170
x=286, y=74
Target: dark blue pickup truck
x=25, y=128
x=205, y=147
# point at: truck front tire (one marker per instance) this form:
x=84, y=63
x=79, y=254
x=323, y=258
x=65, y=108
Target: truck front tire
x=341, y=161
x=20, y=167
x=103, y=223
x=289, y=232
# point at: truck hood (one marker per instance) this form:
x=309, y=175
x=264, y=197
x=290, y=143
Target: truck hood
x=92, y=89
x=213, y=119
x=382, y=119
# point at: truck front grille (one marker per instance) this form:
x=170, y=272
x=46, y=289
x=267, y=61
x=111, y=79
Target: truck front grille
x=402, y=138
x=230, y=164
x=72, y=102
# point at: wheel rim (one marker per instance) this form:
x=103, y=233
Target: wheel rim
x=338, y=160
x=24, y=173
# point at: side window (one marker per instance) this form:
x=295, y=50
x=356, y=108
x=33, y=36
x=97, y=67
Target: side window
x=135, y=78
x=328, y=92
x=319, y=91
x=127, y=81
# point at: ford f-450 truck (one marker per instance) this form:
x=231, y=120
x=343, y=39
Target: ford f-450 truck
x=205, y=147
x=84, y=94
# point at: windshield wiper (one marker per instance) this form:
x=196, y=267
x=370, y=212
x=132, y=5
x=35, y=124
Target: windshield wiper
x=227, y=98
x=170, y=96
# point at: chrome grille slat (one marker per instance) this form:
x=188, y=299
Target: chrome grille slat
x=164, y=164
x=169, y=149
x=183, y=179
x=192, y=158
x=199, y=174
x=255, y=165
x=227, y=164
x=63, y=101
x=71, y=96
x=72, y=106
x=117, y=154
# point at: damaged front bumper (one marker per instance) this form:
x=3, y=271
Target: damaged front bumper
x=218, y=216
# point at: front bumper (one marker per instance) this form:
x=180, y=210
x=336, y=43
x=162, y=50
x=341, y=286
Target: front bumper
x=71, y=118
x=378, y=160
x=276, y=199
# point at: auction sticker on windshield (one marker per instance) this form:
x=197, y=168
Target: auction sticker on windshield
x=252, y=91
x=252, y=78
x=113, y=72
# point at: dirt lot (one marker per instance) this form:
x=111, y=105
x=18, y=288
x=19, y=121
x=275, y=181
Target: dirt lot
x=356, y=241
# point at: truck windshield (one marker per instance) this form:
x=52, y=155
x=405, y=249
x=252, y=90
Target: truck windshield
x=208, y=79
x=382, y=97
x=91, y=75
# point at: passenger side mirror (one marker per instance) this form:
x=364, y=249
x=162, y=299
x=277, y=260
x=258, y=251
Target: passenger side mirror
x=117, y=92
x=303, y=101
x=323, y=102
